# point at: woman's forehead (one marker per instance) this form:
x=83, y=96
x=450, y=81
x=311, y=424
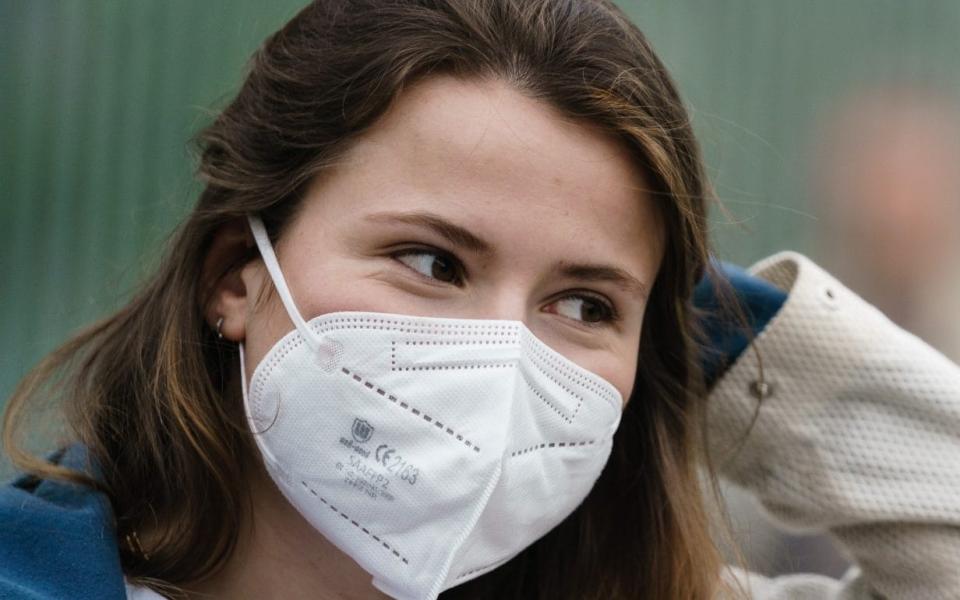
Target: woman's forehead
x=446, y=129
x=490, y=157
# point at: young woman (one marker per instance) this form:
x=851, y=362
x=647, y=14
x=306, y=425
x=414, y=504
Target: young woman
x=429, y=330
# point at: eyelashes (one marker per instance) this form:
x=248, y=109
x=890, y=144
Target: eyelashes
x=443, y=267
x=584, y=307
x=592, y=311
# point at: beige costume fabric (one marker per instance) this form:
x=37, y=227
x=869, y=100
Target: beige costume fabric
x=857, y=433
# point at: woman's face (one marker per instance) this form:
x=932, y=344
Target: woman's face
x=470, y=200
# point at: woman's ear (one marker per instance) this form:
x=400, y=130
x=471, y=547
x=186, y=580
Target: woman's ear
x=224, y=292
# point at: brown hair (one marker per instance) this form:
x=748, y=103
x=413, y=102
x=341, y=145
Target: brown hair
x=151, y=392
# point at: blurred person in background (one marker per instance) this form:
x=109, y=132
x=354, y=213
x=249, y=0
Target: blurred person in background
x=886, y=184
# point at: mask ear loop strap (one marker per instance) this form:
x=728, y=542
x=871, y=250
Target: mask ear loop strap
x=273, y=267
x=243, y=375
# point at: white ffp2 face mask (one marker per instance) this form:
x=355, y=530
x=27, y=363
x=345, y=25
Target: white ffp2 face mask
x=430, y=450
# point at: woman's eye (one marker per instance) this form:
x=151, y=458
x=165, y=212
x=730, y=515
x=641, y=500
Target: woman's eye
x=433, y=264
x=586, y=309
x=445, y=268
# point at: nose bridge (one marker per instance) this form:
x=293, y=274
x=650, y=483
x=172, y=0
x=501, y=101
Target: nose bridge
x=508, y=299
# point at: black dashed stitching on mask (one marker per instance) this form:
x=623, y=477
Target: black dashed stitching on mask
x=411, y=409
x=355, y=524
x=552, y=445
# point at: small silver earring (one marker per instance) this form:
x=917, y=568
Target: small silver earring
x=219, y=325
x=133, y=543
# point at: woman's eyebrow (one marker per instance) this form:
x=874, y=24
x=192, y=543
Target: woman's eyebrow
x=615, y=275
x=452, y=232
x=459, y=236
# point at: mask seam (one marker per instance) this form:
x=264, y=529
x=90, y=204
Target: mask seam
x=584, y=380
x=478, y=365
x=544, y=399
x=413, y=410
x=572, y=378
x=383, y=543
x=489, y=566
x=587, y=382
